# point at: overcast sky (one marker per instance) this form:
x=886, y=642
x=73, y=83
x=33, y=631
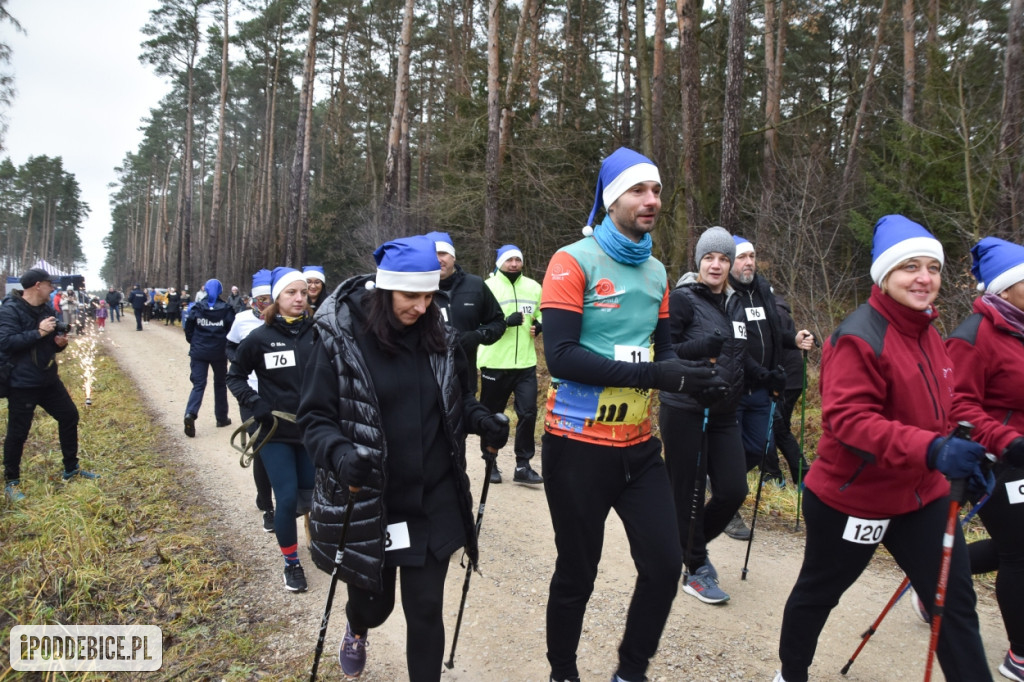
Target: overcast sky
x=81, y=94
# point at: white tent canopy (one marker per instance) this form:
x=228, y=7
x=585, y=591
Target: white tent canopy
x=51, y=269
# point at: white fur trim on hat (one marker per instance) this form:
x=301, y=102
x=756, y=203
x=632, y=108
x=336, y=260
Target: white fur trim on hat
x=443, y=247
x=915, y=247
x=634, y=175
x=263, y=290
x=288, y=278
x=511, y=253
x=314, y=274
x=1005, y=280
x=408, y=281
x=744, y=248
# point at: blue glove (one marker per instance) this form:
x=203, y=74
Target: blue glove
x=982, y=482
x=955, y=457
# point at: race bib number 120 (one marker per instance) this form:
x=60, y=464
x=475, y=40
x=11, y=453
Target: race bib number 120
x=865, y=531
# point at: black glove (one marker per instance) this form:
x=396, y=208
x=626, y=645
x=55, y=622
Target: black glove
x=713, y=345
x=1014, y=453
x=514, y=320
x=777, y=380
x=261, y=412
x=685, y=376
x=955, y=457
x=354, y=467
x=710, y=397
x=494, y=430
x=537, y=327
x=470, y=339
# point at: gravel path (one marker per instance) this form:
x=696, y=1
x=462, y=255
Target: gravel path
x=503, y=629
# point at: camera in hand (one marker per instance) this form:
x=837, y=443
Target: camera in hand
x=61, y=329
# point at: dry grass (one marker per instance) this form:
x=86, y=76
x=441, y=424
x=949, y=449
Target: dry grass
x=131, y=548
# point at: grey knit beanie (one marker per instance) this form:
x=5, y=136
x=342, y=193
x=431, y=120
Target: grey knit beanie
x=715, y=239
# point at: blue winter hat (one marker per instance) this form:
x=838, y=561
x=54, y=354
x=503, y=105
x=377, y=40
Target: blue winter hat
x=506, y=252
x=442, y=242
x=213, y=289
x=998, y=264
x=262, y=281
x=282, y=277
x=314, y=272
x=408, y=264
x=897, y=239
x=742, y=245
x=620, y=171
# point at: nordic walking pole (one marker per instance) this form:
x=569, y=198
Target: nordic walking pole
x=760, y=482
x=339, y=555
x=800, y=464
x=900, y=591
x=488, y=467
x=699, y=482
x=956, y=492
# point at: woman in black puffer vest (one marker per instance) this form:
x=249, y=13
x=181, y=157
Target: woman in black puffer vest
x=702, y=327
x=385, y=409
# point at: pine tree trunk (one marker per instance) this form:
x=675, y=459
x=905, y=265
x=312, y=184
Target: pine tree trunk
x=298, y=179
x=688, y=12
x=492, y=162
x=909, y=63
x=1011, y=150
x=731, y=120
x=215, y=200
x=389, y=210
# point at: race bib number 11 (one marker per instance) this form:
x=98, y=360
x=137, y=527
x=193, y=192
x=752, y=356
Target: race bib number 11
x=865, y=531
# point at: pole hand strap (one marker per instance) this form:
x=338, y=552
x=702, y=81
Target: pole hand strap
x=250, y=447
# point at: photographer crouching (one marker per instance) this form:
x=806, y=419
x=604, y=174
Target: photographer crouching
x=30, y=338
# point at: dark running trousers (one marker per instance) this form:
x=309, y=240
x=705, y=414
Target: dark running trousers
x=199, y=371
x=583, y=482
x=1004, y=551
x=21, y=404
x=831, y=564
x=422, y=603
x=496, y=385
x=722, y=459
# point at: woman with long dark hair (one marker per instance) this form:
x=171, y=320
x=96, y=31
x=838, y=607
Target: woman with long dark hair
x=385, y=409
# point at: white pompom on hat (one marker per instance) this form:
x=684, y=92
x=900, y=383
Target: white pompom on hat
x=997, y=264
x=898, y=239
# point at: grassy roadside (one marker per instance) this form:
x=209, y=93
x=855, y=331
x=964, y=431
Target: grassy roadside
x=133, y=547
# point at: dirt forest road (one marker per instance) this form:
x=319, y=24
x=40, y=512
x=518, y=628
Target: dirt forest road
x=502, y=635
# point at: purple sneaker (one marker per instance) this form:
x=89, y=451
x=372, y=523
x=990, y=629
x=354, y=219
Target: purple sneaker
x=352, y=654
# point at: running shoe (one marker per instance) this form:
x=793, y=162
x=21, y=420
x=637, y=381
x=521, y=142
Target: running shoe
x=1012, y=667
x=12, y=492
x=918, y=606
x=190, y=425
x=352, y=654
x=704, y=586
x=268, y=521
x=294, y=578
x=79, y=473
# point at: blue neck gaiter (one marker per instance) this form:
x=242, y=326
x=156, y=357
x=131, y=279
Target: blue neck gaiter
x=619, y=247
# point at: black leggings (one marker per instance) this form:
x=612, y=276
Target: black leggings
x=831, y=564
x=422, y=602
x=720, y=452
x=1004, y=552
x=583, y=482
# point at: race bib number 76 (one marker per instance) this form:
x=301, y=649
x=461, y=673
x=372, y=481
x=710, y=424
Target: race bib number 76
x=280, y=359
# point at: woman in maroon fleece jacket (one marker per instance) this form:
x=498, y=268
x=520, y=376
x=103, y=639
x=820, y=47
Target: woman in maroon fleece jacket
x=883, y=457
x=988, y=353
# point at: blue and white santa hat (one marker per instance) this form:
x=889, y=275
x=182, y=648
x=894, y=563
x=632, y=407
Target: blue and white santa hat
x=621, y=170
x=408, y=264
x=262, y=282
x=506, y=252
x=314, y=272
x=742, y=245
x=997, y=264
x=282, y=277
x=442, y=242
x=897, y=239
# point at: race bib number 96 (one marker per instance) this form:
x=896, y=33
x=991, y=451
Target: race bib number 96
x=865, y=531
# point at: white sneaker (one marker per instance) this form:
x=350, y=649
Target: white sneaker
x=918, y=606
x=778, y=677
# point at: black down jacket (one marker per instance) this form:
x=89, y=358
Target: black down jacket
x=338, y=416
x=694, y=315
